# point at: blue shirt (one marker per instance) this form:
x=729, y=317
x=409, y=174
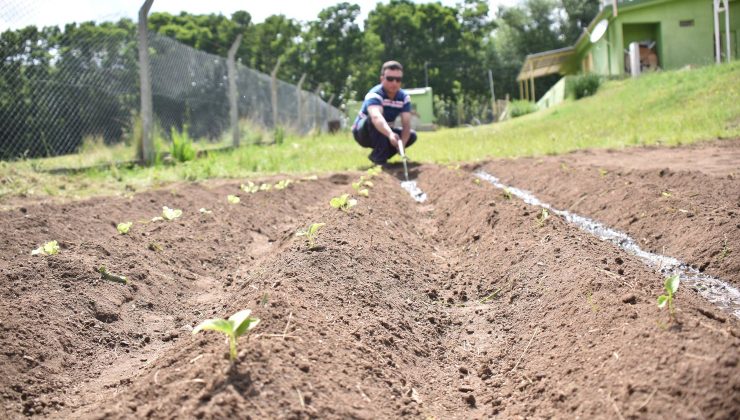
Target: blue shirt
x=391, y=107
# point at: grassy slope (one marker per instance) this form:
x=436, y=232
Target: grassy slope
x=664, y=108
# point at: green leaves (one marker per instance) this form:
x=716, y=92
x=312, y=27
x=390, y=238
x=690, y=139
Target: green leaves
x=507, y=194
x=110, y=276
x=364, y=192
x=543, y=216
x=124, y=227
x=283, y=184
x=311, y=233
x=233, y=199
x=237, y=325
x=249, y=187
x=170, y=214
x=49, y=248
x=343, y=202
x=671, y=287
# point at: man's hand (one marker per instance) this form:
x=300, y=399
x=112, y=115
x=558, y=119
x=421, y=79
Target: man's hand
x=394, y=139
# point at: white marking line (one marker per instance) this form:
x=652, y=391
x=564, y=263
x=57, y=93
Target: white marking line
x=713, y=289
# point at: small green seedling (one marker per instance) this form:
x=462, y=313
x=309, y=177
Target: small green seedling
x=476, y=181
x=237, y=325
x=265, y=187
x=364, y=192
x=233, y=199
x=343, y=202
x=724, y=252
x=283, y=184
x=375, y=170
x=543, y=216
x=249, y=187
x=507, y=194
x=170, y=214
x=670, y=286
x=666, y=194
x=454, y=167
x=153, y=246
x=111, y=277
x=603, y=172
x=49, y=248
x=311, y=234
x=124, y=227
x=311, y=178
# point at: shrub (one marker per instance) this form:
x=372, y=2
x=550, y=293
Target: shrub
x=519, y=108
x=182, y=146
x=583, y=85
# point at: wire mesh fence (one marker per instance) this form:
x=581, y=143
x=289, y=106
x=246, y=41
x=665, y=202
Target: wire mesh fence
x=60, y=87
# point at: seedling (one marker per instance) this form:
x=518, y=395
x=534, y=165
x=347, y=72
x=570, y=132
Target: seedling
x=170, y=214
x=49, y=248
x=343, y=202
x=603, y=172
x=311, y=178
x=237, y=325
x=311, y=234
x=506, y=194
x=724, y=252
x=283, y=184
x=153, y=246
x=666, y=194
x=670, y=286
x=543, y=216
x=364, y=192
x=249, y=187
x=204, y=211
x=111, y=277
x=233, y=199
x=265, y=187
x=124, y=227
x=476, y=181
x=375, y=170
x=454, y=167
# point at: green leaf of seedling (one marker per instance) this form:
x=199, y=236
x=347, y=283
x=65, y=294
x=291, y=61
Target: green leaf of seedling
x=315, y=228
x=368, y=184
x=241, y=322
x=337, y=202
x=216, y=324
x=671, y=284
x=170, y=214
x=265, y=187
x=124, y=227
x=662, y=300
x=364, y=192
x=356, y=185
x=49, y=248
x=233, y=199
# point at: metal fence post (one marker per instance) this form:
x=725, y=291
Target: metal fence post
x=233, y=109
x=146, y=153
x=273, y=90
x=299, y=97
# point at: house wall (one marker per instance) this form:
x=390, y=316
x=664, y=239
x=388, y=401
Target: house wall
x=677, y=46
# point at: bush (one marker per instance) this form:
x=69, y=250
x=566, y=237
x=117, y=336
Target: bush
x=519, y=108
x=583, y=85
x=182, y=146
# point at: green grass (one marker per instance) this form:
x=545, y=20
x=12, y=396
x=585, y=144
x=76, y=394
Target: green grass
x=668, y=108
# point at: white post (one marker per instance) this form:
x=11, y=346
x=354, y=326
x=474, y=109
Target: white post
x=273, y=89
x=727, y=29
x=317, y=100
x=493, y=94
x=146, y=154
x=715, y=8
x=234, y=110
x=635, y=59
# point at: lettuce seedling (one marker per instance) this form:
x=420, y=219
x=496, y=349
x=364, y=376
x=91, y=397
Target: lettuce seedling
x=237, y=325
x=265, y=187
x=507, y=194
x=343, y=202
x=124, y=227
x=544, y=215
x=603, y=172
x=364, y=192
x=111, y=277
x=670, y=286
x=283, y=184
x=49, y=248
x=170, y=214
x=311, y=234
x=476, y=181
x=249, y=187
x=375, y=170
x=233, y=199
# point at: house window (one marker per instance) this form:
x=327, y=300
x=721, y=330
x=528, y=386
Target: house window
x=686, y=23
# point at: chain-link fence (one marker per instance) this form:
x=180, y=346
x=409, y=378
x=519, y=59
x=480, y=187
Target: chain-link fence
x=60, y=87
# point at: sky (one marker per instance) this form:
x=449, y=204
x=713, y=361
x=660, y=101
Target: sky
x=19, y=13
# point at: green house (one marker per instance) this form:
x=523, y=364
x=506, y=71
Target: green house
x=631, y=37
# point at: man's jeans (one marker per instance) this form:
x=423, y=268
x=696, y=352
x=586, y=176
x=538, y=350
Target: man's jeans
x=366, y=135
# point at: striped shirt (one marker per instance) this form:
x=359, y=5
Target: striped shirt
x=391, y=107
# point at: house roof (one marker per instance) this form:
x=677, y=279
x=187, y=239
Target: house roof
x=544, y=63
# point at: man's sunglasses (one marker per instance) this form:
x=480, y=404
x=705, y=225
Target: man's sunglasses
x=394, y=79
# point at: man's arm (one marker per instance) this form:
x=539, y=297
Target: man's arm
x=405, y=127
x=376, y=116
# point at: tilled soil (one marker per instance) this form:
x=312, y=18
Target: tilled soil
x=460, y=307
